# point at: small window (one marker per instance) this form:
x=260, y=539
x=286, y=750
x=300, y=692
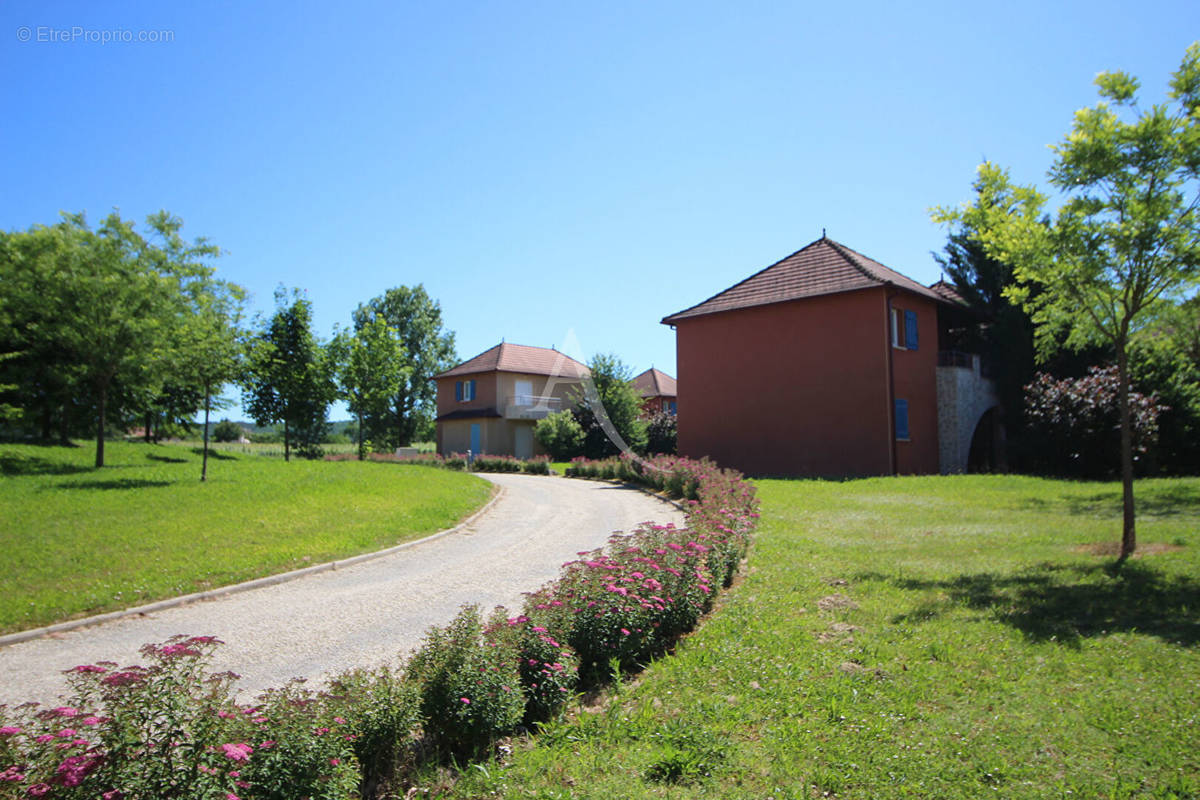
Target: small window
x=902, y=419
x=896, y=328
x=464, y=391
x=910, y=330
x=671, y=409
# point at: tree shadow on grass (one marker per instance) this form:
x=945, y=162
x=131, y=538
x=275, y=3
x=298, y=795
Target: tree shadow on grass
x=1157, y=501
x=32, y=465
x=114, y=483
x=217, y=454
x=166, y=459
x=1069, y=603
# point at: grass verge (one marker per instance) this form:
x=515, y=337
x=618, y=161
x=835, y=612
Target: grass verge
x=80, y=541
x=915, y=637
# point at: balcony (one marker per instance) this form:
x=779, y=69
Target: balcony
x=531, y=406
x=954, y=358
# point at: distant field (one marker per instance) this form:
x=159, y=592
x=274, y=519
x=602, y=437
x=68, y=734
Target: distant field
x=76, y=540
x=275, y=450
x=940, y=637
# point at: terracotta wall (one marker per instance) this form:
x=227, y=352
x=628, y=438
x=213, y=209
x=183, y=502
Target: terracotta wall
x=485, y=393
x=916, y=381
x=801, y=388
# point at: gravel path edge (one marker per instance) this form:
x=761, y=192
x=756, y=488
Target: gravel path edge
x=268, y=580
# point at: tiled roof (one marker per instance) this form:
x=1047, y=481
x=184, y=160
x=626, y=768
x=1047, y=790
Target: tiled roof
x=655, y=383
x=823, y=267
x=506, y=357
x=948, y=292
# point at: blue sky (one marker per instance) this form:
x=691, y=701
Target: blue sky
x=554, y=173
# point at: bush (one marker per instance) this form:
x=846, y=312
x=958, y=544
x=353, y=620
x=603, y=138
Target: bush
x=470, y=691
x=661, y=433
x=1077, y=420
x=560, y=434
x=485, y=463
x=538, y=465
x=226, y=431
x=382, y=708
x=172, y=730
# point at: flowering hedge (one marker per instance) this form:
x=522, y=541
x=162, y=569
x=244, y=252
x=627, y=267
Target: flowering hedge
x=172, y=729
x=538, y=465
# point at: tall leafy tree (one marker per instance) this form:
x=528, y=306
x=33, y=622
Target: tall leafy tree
x=428, y=350
x=1125, y=239
x=288, y=378
x=370, y=369
x=609, y=409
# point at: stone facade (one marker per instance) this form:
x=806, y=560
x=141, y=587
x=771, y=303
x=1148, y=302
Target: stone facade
x=963, y=397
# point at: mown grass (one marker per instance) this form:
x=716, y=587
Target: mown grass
x=76, y=540
x=914, y=638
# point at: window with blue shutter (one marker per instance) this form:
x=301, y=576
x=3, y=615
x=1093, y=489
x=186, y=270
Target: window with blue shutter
x=458, y=391
x=901, y=419
x=910, y=330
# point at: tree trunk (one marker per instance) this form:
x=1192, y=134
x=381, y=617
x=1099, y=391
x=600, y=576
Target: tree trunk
x=360, y=439
x=146, y=432
x=204, y=459
x=64, y=425
x=1128, y=531
x=103, y=409
x=47, y=420
x=287, y=442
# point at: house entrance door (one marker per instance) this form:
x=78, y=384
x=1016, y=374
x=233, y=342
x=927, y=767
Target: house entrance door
x=523, y=444
x=475, y=443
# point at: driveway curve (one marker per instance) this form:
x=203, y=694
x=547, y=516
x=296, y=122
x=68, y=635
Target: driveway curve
x=366, y=614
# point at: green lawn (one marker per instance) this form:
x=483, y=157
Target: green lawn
x=920, y=638
x=76, y=540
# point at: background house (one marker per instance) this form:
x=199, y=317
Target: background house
x=826, y=363
x=490, y=403
x=657, y=389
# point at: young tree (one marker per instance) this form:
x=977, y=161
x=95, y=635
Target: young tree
x=428, y=350
x=370, y=369
x=1125, y=239
x=288, y=377
x=560, y=434
x=612, y=411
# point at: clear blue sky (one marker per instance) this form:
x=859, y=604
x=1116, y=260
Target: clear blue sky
x=554, y=173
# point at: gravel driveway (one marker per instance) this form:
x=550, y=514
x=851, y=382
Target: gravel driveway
x=366, y=614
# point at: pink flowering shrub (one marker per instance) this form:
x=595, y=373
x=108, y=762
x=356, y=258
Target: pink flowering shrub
x=380, y=709
x=169, y=729
x=549, y=670
x=470, y=690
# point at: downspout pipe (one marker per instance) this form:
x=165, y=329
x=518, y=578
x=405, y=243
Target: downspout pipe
x=889, y=294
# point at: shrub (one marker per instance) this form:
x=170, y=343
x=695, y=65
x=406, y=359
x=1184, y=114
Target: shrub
x=549, y=670
x=538, y=465
x=470, y=691
x=560, y=434
x=382, y=708
x=662, y=433
x=172, y=730
x=1078, y=422
x=486, y=463
x=226, y=431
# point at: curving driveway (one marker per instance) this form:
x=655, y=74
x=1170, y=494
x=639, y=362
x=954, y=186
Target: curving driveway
x=368, y=613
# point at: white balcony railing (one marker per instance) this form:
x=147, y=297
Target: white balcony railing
x=531, y=406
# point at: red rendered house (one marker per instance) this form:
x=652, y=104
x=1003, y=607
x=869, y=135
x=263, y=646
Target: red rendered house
x=658, y=391
x=826, y=363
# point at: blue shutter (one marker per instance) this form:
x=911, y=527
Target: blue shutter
x=472, y=390
x=901, y=419
x=458, y=391
x=910, y=330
